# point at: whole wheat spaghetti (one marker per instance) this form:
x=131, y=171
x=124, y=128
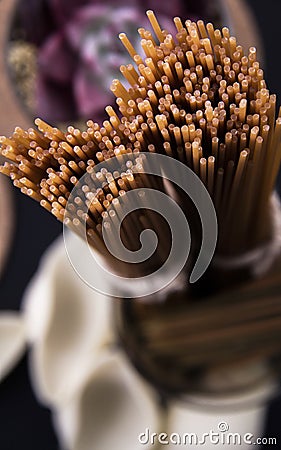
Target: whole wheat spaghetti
x=195, y=96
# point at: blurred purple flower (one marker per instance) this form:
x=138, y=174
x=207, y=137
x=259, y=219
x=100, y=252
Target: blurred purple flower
x=81, y=54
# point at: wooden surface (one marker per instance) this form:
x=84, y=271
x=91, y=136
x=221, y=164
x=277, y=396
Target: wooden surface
x=12, y=113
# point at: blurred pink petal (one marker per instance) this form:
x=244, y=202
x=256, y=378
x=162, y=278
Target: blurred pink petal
x=90, y=98
x=56, y=60
x=95, y=18
x=82, y=23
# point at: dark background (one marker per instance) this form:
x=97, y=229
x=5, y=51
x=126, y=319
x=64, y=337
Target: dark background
x=24, y=424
